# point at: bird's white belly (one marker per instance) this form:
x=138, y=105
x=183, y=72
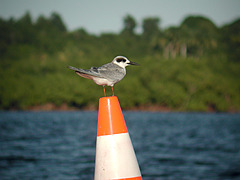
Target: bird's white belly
x=102, y=81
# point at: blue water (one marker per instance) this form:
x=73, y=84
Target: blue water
x=61, y=145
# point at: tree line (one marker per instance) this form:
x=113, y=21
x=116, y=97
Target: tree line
x=193, y=66
x=194, y=37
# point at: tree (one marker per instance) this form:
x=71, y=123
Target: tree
x=231, y=40
x=56, y=21
x=173, y=46
x=150, y=27
x=50, y=33
x=23, y=30
x=129, y=25
x=26, y=19
x=6, y=35
x=200, y=34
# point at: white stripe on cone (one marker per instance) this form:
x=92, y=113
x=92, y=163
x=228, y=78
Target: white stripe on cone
x=115, y=158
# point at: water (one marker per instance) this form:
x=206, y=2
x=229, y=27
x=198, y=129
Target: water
x=61, y=145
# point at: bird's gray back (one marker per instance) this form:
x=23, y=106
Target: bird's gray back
x=110, y=71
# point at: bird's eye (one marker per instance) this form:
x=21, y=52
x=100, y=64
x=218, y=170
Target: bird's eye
x=121, y=60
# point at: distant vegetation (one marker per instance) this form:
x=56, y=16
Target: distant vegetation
x=192, y=67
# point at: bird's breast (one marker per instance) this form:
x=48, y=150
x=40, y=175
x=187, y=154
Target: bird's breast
x=103, y=82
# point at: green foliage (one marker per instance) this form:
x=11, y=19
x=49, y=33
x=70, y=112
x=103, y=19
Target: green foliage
x=194, y=67
x=129, y=26
x=150, y=27
x=231, y=40
x=201, y=33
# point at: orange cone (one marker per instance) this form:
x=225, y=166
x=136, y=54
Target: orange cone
x=115, y=156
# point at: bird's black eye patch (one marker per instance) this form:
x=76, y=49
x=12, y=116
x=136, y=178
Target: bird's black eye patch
x=121, y=60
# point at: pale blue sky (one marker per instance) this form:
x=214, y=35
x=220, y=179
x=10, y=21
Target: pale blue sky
x=107, y=15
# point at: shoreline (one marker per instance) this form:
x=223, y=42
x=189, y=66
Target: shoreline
x=146, y=108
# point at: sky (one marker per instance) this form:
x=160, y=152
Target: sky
x=101, y=16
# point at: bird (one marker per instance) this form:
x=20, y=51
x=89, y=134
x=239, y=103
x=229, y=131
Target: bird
x=108, y=74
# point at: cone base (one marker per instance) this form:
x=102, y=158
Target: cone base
x=115, y=158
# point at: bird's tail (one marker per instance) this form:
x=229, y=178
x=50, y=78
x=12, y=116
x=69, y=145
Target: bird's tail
x=83, y=73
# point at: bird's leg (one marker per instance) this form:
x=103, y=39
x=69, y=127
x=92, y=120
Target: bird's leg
x=104, y=91
x=112, y=91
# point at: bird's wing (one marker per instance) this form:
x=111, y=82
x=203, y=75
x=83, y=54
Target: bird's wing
x=86, y=73
x=110, y=71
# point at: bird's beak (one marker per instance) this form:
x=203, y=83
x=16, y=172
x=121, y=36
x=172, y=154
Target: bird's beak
x=133, y=63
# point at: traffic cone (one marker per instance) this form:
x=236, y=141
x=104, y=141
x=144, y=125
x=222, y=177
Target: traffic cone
x=115, y=156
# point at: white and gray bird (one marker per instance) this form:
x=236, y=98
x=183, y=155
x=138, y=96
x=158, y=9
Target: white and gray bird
x=107, y=74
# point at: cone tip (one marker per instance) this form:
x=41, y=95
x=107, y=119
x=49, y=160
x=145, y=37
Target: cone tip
x=110, y=117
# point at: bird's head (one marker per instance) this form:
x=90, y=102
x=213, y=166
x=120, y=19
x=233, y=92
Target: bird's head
x=122, y=61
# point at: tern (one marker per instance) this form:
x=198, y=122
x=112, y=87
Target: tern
x=108, y=74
